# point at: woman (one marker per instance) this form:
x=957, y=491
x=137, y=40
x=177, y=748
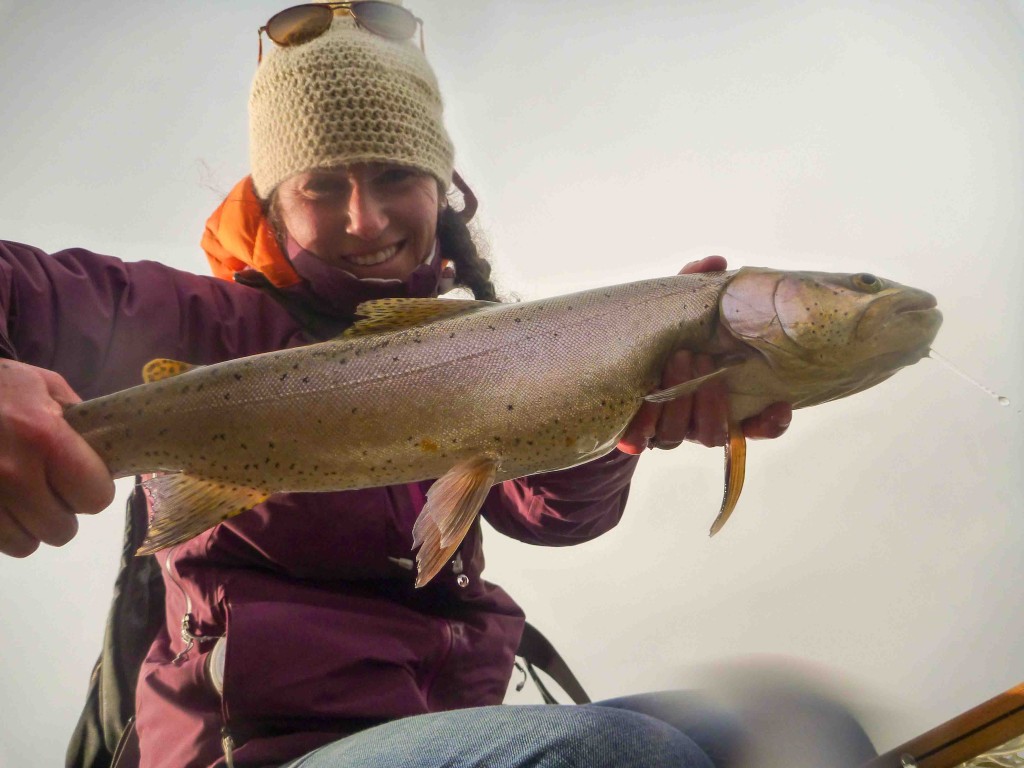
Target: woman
x=295, y=625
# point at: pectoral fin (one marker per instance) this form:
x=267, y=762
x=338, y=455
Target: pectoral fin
x=735, y=471
x=686, y=388
x=185, y=505
x=452, y=504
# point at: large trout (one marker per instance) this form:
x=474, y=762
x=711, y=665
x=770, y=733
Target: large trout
x=475, y=393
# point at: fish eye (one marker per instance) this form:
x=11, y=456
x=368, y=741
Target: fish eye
x=867, y=282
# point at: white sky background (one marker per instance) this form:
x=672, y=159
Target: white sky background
x=879, y=542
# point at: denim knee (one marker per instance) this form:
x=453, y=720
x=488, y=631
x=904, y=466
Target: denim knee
x=596, y=737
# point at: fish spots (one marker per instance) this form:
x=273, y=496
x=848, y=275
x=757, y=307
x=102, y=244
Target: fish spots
x=238, y=377
x=428, y=446
x=510, y=407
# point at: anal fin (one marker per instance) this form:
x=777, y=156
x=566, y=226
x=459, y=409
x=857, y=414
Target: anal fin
x=735, y=471
x=185, y=505
x=452, y=505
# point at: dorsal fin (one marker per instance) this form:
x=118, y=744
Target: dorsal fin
x=394, y=314
x=163, y=368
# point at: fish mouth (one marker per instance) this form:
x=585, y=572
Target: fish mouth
x=918, y=302
x=373, y=258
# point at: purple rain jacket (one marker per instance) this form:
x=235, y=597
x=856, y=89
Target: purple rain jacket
x=324, y=631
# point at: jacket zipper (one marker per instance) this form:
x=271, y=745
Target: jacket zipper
x=187, y=636
x=227, y=741
x=449, y=643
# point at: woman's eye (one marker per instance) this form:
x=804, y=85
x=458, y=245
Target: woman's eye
x=394, y=176
x=325, y=187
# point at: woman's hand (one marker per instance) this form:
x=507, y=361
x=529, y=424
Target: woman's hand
x=48, y=473
x=700, y=417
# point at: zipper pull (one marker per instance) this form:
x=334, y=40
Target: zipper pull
x=460, y=578
x=228, y=745
x=187, y=637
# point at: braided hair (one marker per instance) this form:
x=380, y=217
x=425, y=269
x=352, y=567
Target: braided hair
x=472, y=271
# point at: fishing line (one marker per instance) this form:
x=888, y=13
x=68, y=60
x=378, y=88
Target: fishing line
x=934, y=355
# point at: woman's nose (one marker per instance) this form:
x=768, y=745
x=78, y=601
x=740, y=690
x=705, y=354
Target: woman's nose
x=367, y=217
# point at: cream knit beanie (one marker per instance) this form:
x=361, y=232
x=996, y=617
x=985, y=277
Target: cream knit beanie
x=347, y=96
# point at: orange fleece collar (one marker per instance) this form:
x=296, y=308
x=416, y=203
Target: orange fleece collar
x=238, y=236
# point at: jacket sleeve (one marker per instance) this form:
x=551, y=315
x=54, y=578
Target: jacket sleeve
x=565, y=507
x=97, y=320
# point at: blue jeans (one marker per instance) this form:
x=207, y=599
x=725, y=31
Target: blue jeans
x=649, y=730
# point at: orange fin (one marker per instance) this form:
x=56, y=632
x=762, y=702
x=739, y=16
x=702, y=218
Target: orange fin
x=452, y=504
x=735, y=471
x=163, y=368
x=686, y=388
x=185, y=505
x=394, y=314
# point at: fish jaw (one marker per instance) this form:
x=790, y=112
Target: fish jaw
x=821, y=336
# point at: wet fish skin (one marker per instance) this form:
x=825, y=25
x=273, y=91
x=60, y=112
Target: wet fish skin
x=496, y=392
x=402, y=406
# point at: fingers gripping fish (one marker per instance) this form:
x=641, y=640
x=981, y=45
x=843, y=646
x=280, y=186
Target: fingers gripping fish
x=476, y=393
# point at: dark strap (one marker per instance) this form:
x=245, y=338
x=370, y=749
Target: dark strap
x=319, y=326
x=537, y=651
x=127, y=755
x=136, y=615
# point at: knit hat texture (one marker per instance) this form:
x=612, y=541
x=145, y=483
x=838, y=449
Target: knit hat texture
x=345, y=97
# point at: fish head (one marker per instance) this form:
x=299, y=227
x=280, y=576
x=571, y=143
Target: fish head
x=825, y=335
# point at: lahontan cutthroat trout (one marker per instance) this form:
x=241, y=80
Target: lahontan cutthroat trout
x=475, y=393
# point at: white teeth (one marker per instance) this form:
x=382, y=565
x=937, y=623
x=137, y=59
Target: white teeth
x=377, y=257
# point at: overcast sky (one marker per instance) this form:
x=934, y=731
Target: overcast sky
x=878, y=543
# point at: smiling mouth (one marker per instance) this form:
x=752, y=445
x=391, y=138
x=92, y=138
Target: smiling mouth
x=374, y=257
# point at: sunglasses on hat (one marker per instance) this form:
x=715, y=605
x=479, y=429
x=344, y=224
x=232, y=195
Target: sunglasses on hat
x=302, y=23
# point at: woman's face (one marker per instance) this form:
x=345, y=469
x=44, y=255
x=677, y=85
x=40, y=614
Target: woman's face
x=372, y=219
